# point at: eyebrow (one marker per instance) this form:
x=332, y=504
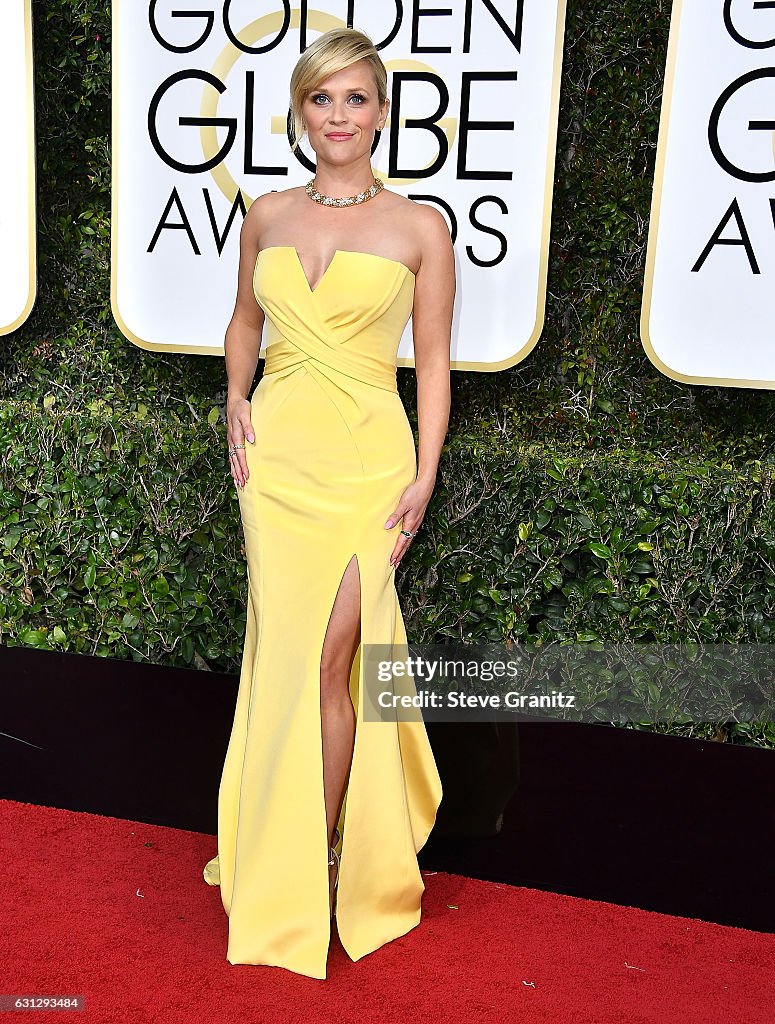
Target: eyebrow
x=351, y=88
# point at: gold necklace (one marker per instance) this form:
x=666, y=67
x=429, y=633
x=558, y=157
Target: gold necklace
x=361, y=197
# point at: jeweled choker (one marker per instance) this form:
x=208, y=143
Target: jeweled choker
x=361, y=197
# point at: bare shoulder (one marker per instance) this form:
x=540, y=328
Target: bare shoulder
x=268, y=208
x=434, y=239
x=414, y=212
x=424, y=225
x=427, y=222
x=431, y=224
x=259, y=212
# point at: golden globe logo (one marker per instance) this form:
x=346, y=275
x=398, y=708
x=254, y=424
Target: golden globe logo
x=270, y=31
x=17, y=168
x=200, y=126
x=711, y=253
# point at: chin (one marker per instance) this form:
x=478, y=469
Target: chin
x=335, y=152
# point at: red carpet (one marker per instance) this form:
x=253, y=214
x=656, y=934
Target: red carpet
x=118, y=911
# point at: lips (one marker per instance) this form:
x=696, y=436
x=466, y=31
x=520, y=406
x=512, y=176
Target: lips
x=339, y=136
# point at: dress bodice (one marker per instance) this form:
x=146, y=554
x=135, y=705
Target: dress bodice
x=351, y=322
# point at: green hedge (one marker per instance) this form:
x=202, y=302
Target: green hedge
x=582, y=494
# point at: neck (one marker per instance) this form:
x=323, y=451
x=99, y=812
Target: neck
x=343, y=181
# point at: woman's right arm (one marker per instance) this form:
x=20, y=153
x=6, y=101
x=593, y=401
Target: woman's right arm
x=243, y=343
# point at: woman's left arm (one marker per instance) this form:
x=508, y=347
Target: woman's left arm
x=434, y=297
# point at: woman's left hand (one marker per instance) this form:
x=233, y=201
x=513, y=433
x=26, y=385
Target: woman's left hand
x=411, y=508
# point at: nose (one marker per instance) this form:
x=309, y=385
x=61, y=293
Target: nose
x=337, y=113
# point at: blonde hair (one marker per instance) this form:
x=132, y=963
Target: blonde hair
x=331, y=52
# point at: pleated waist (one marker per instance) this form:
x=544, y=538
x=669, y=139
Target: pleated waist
x=283, y=354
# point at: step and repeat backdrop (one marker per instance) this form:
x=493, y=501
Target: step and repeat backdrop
x=200, y=128
x=710, y=273
x=17, y=166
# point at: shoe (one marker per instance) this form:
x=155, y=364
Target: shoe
x=333, y=859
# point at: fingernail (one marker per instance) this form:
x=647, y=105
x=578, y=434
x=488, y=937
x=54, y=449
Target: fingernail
x=388, y=524
x=251, y=438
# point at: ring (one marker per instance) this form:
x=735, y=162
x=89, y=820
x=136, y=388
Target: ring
x=408, y=533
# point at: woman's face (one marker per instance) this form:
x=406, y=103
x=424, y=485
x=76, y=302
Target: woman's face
x=342, y=114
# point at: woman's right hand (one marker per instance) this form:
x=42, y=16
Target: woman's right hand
x=239, y=428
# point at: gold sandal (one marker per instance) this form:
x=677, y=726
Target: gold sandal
x=334, y=859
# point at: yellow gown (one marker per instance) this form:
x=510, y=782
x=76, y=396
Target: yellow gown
x=333, y=452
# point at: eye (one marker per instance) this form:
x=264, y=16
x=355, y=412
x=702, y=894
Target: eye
x=358, y=96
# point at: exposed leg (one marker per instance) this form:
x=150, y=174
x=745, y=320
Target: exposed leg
x=337, y=714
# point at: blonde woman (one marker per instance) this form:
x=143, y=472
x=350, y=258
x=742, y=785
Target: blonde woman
x=321, y=813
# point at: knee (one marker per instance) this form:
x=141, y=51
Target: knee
x=334, y=677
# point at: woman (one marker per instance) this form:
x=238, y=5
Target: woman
x=331, y=494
